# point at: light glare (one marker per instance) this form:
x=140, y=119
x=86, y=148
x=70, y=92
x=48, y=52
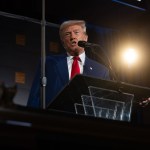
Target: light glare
x=130, y=56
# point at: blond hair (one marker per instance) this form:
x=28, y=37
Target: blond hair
x=65, y=24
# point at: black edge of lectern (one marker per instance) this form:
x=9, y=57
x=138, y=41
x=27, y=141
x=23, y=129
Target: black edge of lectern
x=78, y=86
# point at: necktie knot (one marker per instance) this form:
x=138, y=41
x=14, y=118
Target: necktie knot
x=76, y=58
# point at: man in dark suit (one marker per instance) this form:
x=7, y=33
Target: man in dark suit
x=59, y=67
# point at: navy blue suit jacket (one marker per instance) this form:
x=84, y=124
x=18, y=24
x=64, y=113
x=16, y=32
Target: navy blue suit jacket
x=57, y=77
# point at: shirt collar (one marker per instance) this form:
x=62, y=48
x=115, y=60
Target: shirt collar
x=82, y=57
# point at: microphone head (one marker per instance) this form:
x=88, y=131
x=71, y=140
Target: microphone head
x=82, y=43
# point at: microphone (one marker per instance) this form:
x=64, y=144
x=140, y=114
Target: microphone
x=85, y=44
x=105, y=59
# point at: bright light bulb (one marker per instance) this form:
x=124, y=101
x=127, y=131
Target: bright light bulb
x=130, y=56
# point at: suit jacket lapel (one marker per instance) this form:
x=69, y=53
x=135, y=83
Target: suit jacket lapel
x=88, y=68
x=62, y=69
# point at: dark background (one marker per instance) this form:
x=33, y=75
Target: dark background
x=109, y=23
x=102, y=13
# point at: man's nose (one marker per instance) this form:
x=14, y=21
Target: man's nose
x=72, y=36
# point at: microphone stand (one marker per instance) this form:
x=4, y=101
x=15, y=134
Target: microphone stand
x=92, y=46
x=110, y=67
x=107, y=62
x=43, y=58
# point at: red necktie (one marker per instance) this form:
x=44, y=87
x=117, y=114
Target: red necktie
x=75, y=66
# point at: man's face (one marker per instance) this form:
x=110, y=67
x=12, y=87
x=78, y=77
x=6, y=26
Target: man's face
x=70, y=37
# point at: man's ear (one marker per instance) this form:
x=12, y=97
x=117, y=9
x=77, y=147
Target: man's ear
x=86, y=38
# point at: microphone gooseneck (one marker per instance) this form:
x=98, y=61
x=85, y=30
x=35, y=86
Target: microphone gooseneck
x=107, y=62
x=85, y=44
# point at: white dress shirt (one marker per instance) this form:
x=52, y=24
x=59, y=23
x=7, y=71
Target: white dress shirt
x=81, y=63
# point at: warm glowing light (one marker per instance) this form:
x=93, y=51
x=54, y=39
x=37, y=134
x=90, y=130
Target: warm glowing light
x=130, y=56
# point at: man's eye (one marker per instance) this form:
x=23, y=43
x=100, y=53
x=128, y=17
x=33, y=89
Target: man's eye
x=77, y=32
x=67, y=34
